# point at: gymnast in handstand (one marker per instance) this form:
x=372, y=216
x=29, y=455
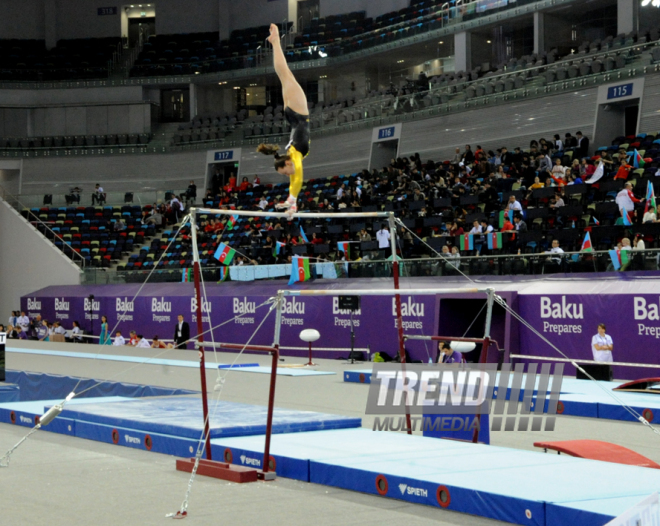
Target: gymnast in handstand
x=297, y=114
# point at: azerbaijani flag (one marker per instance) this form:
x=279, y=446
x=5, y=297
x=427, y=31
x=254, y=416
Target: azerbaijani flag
x=302, y=234
x=231, y=222
x=596, y=221
x=619, y=258
x=224, y=254
x=299, y=270
x=586, y=244
x=494, y=240
x=278, y=248
x=345, y=248
x=638, y=160
x=650, y=198
x=626, y=217
x=466, y=242
x=504, y=214
x=187, y=275
x=224, y=274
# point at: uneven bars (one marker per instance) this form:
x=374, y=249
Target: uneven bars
x=378, y=292
x=300, y=215
x=570, y=360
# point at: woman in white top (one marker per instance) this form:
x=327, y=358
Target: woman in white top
x=601, y=346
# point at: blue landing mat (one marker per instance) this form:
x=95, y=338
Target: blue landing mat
x=522, y=487
x=131, y=359
x=9, y=392
x=182, y=417
x=361, y=376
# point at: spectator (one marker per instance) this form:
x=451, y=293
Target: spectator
x=582, y=149
x=363, y=235
x=133, y=339
x=256, y=181
x=456, y=158
x=447, y=355
x=383, y=238
x=41, y=331
x=191, y=192
x=23, y=321
x=558, y=144
x=245, y=184
x=650, y=216
x=98, y=195
x=119, y=340
x=119, y=225
x=624, y=169
x=468, y=155
x=514, y=204
x=13, y=318
x=626, y=200
x=554, y=260
x=263, y=202
x=75, y=334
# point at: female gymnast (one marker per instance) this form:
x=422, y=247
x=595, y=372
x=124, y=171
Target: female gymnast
x=297, y=114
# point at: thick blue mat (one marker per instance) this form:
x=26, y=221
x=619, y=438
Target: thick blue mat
x=9, y=392
x=182, y=417
x=522, y=487
x=130, y=359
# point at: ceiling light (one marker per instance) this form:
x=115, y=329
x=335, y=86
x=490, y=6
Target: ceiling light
x=441, y=42
x=487, y=41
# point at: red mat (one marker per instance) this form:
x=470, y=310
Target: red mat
x=597, y=450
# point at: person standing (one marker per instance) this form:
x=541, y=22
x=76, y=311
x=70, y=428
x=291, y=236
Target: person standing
x=601, y=347
x=181, y=333
x=104, y=337
x=383, y=238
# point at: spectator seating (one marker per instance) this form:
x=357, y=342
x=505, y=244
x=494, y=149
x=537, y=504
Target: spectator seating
x=77, y=141
x=90, y=232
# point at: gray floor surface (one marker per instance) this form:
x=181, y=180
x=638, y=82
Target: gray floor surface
x=59, y=480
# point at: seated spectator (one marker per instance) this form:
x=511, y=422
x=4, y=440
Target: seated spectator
x=191, y=192
x=98, y=195
x=133, y=340
x=316, y=240
x=13, y=332
x=514, y=204
x=119, y=225
x=42, y=331
x=650, y=216
x=363, y=235
x=245, y=184
x=555, y=260
x=119, y=339
x=557, y=201
x=263, y=202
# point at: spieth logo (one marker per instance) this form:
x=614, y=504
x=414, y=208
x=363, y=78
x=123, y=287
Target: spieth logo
x=344, y=312
x=61, y=304
x=91, y=305
x=206, y=306
x=250, y=461
x=563, y=310
x=646, y=312
x=160, y=306
x=131, y=440
x=293, y=307
x=419, y=492
x=408, y=308
x=25, y=419
x=33, y=304
x=124, y=305
x=244, y=307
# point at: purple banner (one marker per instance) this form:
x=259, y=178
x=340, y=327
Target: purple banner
x=570, y=321
x=374, y=324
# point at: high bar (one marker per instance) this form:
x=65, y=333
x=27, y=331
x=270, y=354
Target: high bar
x=379, y=292
x=302, y=215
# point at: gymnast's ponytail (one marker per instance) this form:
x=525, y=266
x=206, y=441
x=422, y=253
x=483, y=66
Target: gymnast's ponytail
x=272, y=149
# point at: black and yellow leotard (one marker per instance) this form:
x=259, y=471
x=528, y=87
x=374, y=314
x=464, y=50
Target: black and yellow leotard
x=298, y=147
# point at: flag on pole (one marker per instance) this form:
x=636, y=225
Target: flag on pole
x=187, y=275
x=278, y=248
x=596, y=221
x=650, y=198
x=466, y=242
x=494, y=240
x=231, y=222
x=344, y=247
x=626, y=217
x=638, y=160
x=302, y=234
x=224, y=273
x=299, y=270
x=586, y=244
x=224, y=254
